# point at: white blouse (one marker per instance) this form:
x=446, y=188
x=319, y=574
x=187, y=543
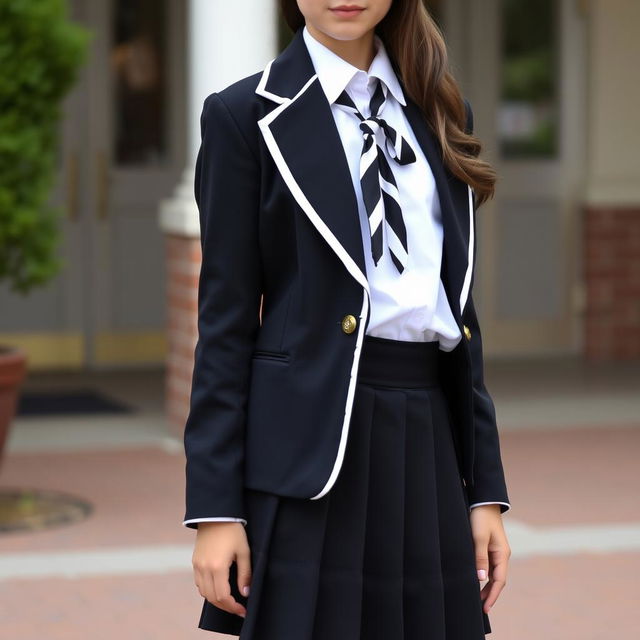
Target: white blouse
x=411, y=305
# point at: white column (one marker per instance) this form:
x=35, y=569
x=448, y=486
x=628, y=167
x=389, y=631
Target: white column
x=227, y=41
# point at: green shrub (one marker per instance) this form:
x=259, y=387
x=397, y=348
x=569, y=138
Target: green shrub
x=40, y=54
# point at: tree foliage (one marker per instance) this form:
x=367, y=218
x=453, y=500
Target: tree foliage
x=41, y=52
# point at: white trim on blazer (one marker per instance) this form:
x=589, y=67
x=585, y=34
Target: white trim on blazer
x=260, y=89
x=333, y=242
x=464, y=293
x=343, y=255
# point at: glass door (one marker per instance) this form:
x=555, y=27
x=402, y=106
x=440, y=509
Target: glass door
x=135, y=156
x=122, y=150
x=521, y=65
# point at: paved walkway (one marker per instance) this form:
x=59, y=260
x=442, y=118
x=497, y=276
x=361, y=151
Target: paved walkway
x=125, y=571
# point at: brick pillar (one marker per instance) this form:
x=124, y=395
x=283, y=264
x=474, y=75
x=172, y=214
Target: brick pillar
x=183, y=256
x=612, y=277
x=612, y=196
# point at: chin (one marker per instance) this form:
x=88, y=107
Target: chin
x=346, y=31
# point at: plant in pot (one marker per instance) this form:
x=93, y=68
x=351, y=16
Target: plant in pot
x=41, y=52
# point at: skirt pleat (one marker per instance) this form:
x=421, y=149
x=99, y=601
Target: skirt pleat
x=387, y=553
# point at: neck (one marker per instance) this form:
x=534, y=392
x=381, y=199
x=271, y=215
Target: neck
x=358, y=52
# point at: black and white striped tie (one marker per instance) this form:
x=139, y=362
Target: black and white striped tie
x=379, y=188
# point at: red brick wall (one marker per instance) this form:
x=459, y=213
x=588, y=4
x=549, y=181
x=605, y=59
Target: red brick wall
x=612, y=276
x=183, y=268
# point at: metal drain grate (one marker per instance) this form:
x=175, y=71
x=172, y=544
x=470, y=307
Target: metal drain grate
x=38, y=509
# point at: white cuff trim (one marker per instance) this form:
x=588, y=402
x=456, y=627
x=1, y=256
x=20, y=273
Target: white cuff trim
x=477, y=504
x=218, y=519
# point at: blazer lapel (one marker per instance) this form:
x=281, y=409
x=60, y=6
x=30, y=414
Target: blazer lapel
x=454, y=196
x=304, y=142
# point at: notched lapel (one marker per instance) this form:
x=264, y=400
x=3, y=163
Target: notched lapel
x=303, y=140
x=310, y=145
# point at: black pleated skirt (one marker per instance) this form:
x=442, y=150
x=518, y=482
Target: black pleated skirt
x=387, y=553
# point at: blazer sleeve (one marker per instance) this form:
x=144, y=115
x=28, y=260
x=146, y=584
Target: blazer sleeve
x=227, y=183
x=489, y=484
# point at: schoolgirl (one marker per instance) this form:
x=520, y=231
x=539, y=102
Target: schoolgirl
x=343, y=459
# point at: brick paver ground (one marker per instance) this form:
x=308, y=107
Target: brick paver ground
x=574, y=475
x=573, y=598
x=556, y=478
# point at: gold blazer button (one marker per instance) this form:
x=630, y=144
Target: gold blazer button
x=349, y=323
x=467, y=331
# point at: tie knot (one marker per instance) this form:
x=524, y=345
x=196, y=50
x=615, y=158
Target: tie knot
x=376, y=101
x=397, y=147
x=370, y=126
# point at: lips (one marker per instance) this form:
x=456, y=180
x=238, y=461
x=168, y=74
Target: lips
x=348, y=9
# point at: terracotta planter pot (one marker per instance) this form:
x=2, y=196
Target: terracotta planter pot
x=13, y=369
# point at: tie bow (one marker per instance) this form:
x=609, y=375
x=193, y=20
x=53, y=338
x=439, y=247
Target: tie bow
x=379, y=188
x=397, y=147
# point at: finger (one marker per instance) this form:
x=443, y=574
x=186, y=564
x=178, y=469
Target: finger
x=492, y=595
x=224, y=599
x=206, y=586
x=497, y=582
x=482, y=558
x=243, y=560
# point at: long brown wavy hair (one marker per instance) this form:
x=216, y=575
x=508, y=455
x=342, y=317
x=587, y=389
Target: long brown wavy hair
x=417, y=48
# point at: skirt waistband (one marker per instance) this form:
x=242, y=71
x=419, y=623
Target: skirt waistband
x=398, y=363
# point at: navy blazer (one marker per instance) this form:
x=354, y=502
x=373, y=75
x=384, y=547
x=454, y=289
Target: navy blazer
x=272, y=393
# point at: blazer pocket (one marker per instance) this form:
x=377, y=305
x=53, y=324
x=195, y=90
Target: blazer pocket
x=276, y=356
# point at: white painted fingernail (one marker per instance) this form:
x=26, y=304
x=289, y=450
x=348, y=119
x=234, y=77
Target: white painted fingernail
x=482, y=574
x=245, y=590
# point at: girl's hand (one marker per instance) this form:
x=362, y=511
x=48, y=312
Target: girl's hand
x=217, y=545
x=492, y=551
